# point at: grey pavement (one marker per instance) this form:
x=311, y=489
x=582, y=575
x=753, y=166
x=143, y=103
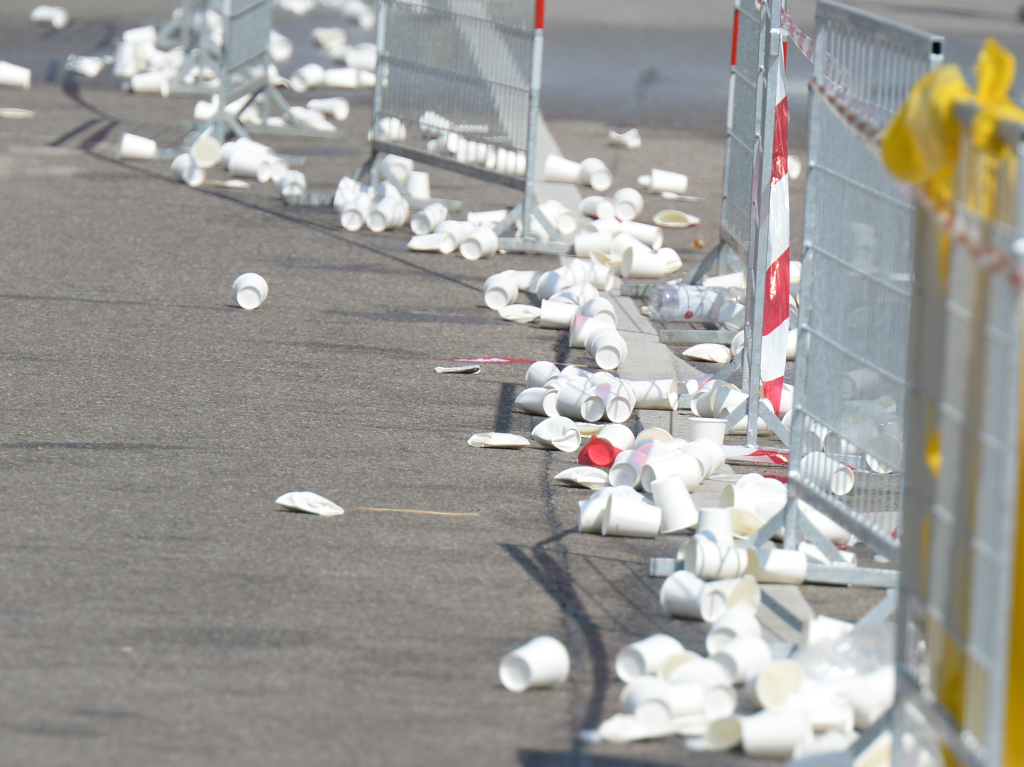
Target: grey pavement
x=156, y=607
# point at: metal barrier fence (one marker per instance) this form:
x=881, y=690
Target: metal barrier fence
x=960, y=650
x=188, y=30
x=850, y=389
x=458, y=87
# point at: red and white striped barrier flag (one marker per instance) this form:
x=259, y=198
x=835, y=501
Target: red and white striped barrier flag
x=776, y=295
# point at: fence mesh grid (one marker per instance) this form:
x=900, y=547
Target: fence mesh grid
x=246, y=35
x=961, y=489
x=856, y=279
x=459, y=67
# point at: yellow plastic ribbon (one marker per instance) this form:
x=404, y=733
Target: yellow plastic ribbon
x=920, y=144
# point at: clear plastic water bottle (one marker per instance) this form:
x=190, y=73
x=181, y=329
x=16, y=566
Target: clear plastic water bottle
x=694, y=303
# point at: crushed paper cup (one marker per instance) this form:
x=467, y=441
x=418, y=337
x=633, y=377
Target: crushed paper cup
x=709, y=353
x=310, y=503
x=675, y=219
x=498, y=440
x=589, y=477
x=558, y=433
x=629, y=139
x=463, y=369
x=521, y=313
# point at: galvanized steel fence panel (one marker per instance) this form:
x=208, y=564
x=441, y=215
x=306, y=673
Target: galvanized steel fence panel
x=246, y=39
x=961, y=494
x=850, y=392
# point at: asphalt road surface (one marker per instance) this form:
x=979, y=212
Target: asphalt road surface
x=156, y=607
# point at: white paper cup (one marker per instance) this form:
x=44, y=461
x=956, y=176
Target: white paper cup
x=55, y=16
x=134, y=147
x=187, y=170
x=558, y=433
x=618, y=435
x=560, y=170
x=578, y=403
x=653, y=700
x=774, y=734
x=630, y=517
x=734, y=593
x=429, y=218
x=563, y=219
x=586, y=244
x=557, y=315
x=499, y=290
x=250, y=290
x=625, y=470
x=677, y=509
x=538, y=401
x=355, y=212
x=13, y=76
x=671, y=464
x=388, y=213
x=336, y=107
x=656, y=395
x=540, y=372
x=390, y=128
x=650, y=235
x=595, y=174
x=600, y=309
x=743, y=657
x=292, y=184
x=440, y=242
x=581, y=328
x=695, y=669
x=307, y=77
x=643, y=263
x=628, y=204
x=711, y=429
x=709, y=561
x=732, y=624
x=781, y=566
x=596, y=206
x=667, y=181
x=592, y=511
x=773, y=684
x=684, y=595
x=341, y=77
x=645, y=656
x=826, y=473
x=205, y=150
x=418, y=185
x=541, y=662
x=245, y=163
x=144, y=82
x=618, y=403
x=608, y=348
x=482, y=243
x=718, y=521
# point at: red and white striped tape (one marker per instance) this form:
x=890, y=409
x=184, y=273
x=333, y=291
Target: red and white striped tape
x=775, y=327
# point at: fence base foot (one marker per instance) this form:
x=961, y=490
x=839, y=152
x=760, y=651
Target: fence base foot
x=850, y=575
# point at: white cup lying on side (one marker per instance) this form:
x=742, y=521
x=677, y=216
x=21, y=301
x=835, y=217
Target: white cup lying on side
x=250, y=290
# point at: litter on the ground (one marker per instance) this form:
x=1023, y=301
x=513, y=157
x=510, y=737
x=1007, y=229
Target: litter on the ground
x=311, y=503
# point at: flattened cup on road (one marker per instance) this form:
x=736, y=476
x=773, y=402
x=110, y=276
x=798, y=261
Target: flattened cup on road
x=629, y=139
x=732, y=624
x=709, y=353
x=656, y=395
x=743, y=657
x=250, y=290
x=677, y=509
x=439, y=242
x=556, y=315
x=187, y=170
x=597, y=206
x=541, y=662
x=418, y=185
x=13, y=76
x=560, y=170
x=675, y=219
x=311, y=503
x=645, y=656
x=578, y=403
x=781, y=566
x=558, y=433
x=538, y=400
x=827, y=473
x=134, y=147
x=583, y=476
x=665, y=181
x=540, y=372
x=205, y=150
x=628, y=204
x=711, y=429
x=595, y=174
x=499, y=289
x=483, y=242
x=499, y=440
x=608, y=348
x=630, y=517
x=770, y=687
